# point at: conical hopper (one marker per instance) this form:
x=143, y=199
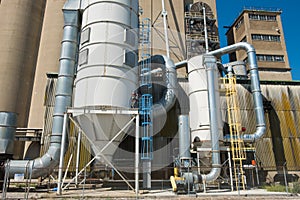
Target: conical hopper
x=101, y=129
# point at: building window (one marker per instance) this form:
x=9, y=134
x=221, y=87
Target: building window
x=272, y=38
x=270, y=58
x=240, y=22
x=262, y=17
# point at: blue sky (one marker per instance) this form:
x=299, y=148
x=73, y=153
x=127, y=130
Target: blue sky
x=228, y=10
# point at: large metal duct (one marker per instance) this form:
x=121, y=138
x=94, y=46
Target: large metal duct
x=107, y=69
x=167, y=101
x=8, y=123
x=43, y=165
x=255, y=86
x=205, y=115
x=169, y=98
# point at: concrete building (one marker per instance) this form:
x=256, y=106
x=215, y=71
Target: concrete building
x=263, y=29
x=185, y=27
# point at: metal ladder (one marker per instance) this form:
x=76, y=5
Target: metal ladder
x=146, y=99
x=234, y=120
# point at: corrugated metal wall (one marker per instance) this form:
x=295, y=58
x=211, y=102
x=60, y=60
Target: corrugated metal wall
x=281, y=142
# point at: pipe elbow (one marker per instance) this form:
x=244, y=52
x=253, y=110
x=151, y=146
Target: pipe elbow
x=246, y=46
x=212, y=175
x=257, y=135
x=232, y=48
x=169, y=98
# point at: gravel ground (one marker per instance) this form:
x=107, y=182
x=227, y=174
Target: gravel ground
x=107, y=193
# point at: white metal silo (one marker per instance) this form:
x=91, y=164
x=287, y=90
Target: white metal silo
x=107, y=68
x=200, y=110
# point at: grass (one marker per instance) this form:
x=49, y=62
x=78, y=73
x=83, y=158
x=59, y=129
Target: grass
x=277, y=188
x=281, y=188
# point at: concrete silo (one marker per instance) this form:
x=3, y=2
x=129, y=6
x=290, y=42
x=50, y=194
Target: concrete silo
x=21, y=24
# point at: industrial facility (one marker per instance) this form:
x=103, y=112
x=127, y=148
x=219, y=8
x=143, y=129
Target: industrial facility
x=134, y=93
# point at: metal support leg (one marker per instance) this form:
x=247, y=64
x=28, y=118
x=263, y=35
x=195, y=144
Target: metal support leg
x=147, y=174
x=285, y=179
x=204, y=186
x=137, y=147
x=78, y=157
x=256, y=169
x=198, y=163
x=99, y=153
x=62, y=150
x=230, y=170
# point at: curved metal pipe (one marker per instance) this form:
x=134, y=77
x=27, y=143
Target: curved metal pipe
x=255, y=86
x=169, y=97
x=63, y=99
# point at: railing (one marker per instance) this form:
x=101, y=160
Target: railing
x=201, y=37
x=209, y=15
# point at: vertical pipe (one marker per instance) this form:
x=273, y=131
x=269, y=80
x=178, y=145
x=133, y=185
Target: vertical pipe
x=205, y=30
x=63, y=99
x=184, y=136
x=137, y=147
x=62, y=150
x=147, y=174
x=164, y=15
x=78, y=157
x=214, y=117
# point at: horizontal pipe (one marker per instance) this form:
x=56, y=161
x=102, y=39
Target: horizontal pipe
x=255, y=87
x=181, y=64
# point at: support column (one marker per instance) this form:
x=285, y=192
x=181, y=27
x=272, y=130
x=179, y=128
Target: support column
x=78, y=157
x=147, y=174
x=137, y=147
x=62, y=150
x=230, y=169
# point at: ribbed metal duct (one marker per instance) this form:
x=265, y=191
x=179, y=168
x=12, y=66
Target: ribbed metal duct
x=43, y=165
x=8, y=122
